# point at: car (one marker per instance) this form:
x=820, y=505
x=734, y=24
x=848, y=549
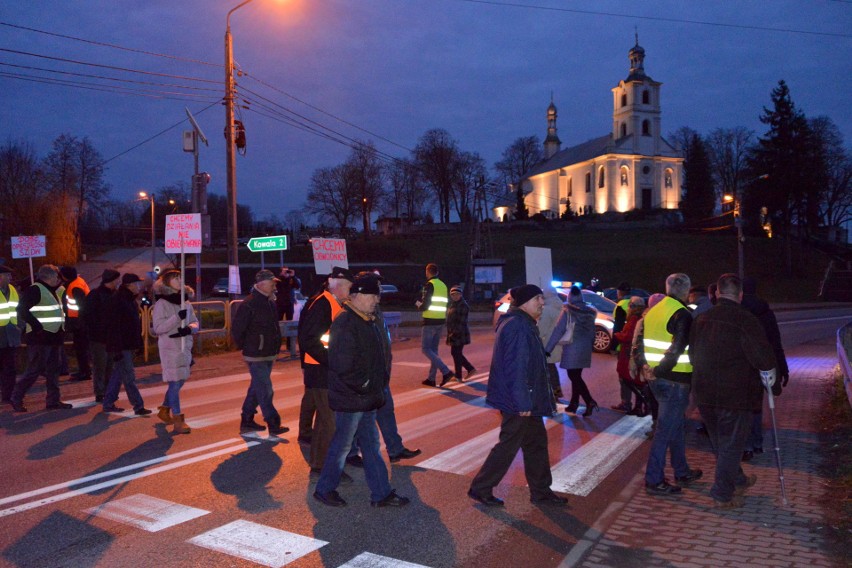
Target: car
x=389, y=289
x=612, y=293
x=603, y=321
x=220, y=288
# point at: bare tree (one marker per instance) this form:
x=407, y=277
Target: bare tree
x=366, y=174
x=333, y=197
x=436, y=156
x=21, y=191
x=408, y=196
x=518, y=159
x=835, y=207
x=294, y=220
x=470, y=176
x=729, y=149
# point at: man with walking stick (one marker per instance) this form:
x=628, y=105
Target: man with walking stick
x=732, y=362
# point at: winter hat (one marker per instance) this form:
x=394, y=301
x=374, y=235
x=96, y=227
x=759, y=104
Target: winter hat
x=167, y=276
x=109, y=275
x=343, y=273
x=366, y=283
x=129, y=278
x=263, y=275
x=5, y=269
x=456, y=289
x=575, y=296
x=69, y=273
x=523, y=294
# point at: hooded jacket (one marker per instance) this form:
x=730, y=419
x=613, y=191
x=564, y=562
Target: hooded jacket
x=165, y=321
x=255, y=328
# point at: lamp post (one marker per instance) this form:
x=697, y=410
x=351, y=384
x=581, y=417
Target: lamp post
x=150, y=197
x=738, y=222
x=231, y=161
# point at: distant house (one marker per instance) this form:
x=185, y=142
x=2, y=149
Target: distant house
x=631, y=167
x=392, y=225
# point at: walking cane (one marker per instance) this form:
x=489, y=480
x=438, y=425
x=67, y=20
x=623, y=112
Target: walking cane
x=768, y=377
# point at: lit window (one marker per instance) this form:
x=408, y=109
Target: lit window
x=668, y=178
x=601, y=178
x=588, y=183
x=625, y=174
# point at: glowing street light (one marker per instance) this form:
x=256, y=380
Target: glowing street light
x=150, y=197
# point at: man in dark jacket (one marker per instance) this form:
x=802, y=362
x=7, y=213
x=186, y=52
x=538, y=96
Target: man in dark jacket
x=256, y=332
x=357, y=376
x=98, y=323
x=285, y=293
x=519, y=387
x=124, y=339
x=729, y=351
x=766, y=317
x=40, y=308
x=665, y=344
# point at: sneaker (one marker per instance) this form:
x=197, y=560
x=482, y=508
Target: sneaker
x=662, y=488
x=429, y=383
x=392, y=500
x=142, y=412
x=447, y=378
x=277, y=429
x=693, y=475
x=249, y=425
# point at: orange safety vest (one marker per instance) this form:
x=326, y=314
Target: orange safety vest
x=336, y=308
x=73, y=308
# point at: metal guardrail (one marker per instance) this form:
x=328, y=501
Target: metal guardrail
x=844, y=354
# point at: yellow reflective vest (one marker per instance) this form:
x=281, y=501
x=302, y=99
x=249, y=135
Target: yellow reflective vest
x=440, y=300
x=657, y=339
x=48, y=311
x=624, y=304
x=9, y=307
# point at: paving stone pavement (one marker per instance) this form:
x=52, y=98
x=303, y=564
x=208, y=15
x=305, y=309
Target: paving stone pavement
x=650, y=531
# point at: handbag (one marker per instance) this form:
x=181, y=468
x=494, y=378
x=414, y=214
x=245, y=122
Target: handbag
x=568, y=336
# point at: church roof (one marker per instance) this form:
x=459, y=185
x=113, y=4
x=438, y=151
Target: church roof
x=575, y=154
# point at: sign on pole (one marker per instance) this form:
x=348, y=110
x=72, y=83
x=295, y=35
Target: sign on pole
x=263, y=244
x=183, y=233
x=329, y=253
x=29, y=247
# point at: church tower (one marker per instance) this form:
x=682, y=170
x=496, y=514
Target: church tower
x=552, y=144
x=636, y=107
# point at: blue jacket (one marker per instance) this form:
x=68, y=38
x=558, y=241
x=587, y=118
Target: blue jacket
x=518, y=380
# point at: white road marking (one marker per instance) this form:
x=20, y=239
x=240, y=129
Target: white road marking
x=146, y=512
x=412, y=364
x=258, y=543
x=112, y=482
x=116, y=471
x=813, y=320
x=586, y=467
x=370, y=560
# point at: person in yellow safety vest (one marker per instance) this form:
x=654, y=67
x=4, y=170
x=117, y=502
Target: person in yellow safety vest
x=665, y=346
x=314, y=324
x=10, y=333
x=76, y=291
x=433, y=302
x=40, y=307
x=619, y=318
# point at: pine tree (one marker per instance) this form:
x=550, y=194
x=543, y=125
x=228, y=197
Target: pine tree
x=699, y=199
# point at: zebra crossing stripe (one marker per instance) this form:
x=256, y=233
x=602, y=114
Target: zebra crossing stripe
x=258, y=543
x=370, y=560
x=146, y=512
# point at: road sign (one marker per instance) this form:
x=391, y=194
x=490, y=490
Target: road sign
x=29, y=246
x=263, y=244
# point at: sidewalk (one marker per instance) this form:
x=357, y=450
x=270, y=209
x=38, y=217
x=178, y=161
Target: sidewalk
x=641, y=530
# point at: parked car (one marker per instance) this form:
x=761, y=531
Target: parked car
x=603, y=321
x=612, y=293
x=220, y=288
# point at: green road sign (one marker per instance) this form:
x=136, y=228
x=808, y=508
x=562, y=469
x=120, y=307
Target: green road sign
x=261, y=244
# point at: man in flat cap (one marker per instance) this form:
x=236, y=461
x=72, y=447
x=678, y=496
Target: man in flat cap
x=98, y=320
x=10, y=333
x=256, y=332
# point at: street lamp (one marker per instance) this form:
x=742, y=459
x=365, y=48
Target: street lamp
x=738, y=221
x=150, y=197
x=231, y=161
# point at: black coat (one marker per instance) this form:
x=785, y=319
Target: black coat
x=458, y=332
x=728, y=348
x=125, y=325
x=255, y=328
x=98, y=319
x=314, y=322
x=357, y=363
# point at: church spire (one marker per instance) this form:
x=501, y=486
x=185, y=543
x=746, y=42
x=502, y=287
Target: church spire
x=637, y=60
x=552, y=143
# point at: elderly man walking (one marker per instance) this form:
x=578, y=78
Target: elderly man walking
x=665, y=346
x=729, y=352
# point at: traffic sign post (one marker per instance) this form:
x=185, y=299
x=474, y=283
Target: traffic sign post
x=263, y=244
x=29, y=247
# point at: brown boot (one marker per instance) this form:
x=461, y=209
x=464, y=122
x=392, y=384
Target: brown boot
x=164, y=413
x=180, y=426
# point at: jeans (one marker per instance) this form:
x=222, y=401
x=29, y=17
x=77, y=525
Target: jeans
x=525, y=433
x=672, y=398
x=260, y=392
x=728, y=430
x=361, y=428
x=123, y=373
x=41, y=360
x=101, y=367
x=459, y=360
x=429, y=342
x=386, y=419
x=172, y=397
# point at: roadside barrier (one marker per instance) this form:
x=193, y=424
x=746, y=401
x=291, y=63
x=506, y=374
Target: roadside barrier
x=844, y=353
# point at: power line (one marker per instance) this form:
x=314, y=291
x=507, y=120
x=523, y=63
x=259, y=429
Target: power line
x=654, y=18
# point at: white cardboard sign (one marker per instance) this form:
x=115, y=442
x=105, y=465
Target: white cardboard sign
x=329, y=253
x=29, y=247
x=183, y=233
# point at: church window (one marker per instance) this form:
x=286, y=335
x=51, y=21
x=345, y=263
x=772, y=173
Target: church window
x=646, y=128
x=588, y=183
x=668, y=177
x=646, y=97
x=624, y=99
x=570, y=188
x=623, y=130
x=646, y=170
x=601, y=177
x=625, y=174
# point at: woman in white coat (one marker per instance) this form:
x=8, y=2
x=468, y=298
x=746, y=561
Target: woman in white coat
x=173, y=327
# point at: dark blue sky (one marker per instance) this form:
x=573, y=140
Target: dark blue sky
x=484, y=71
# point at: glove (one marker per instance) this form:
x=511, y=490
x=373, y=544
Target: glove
x=182, y=331
x=182, y=314
x=768, y=378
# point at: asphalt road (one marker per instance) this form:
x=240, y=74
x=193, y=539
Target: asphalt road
x=81, y=488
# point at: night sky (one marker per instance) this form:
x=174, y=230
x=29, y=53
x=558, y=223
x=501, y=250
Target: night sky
x=389, y=70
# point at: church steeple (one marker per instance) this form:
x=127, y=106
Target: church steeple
x=637, y=61
x=552, y=144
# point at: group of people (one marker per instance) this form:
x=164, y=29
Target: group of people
x=105, y=325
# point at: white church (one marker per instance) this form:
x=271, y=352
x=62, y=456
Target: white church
x=632, y=167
